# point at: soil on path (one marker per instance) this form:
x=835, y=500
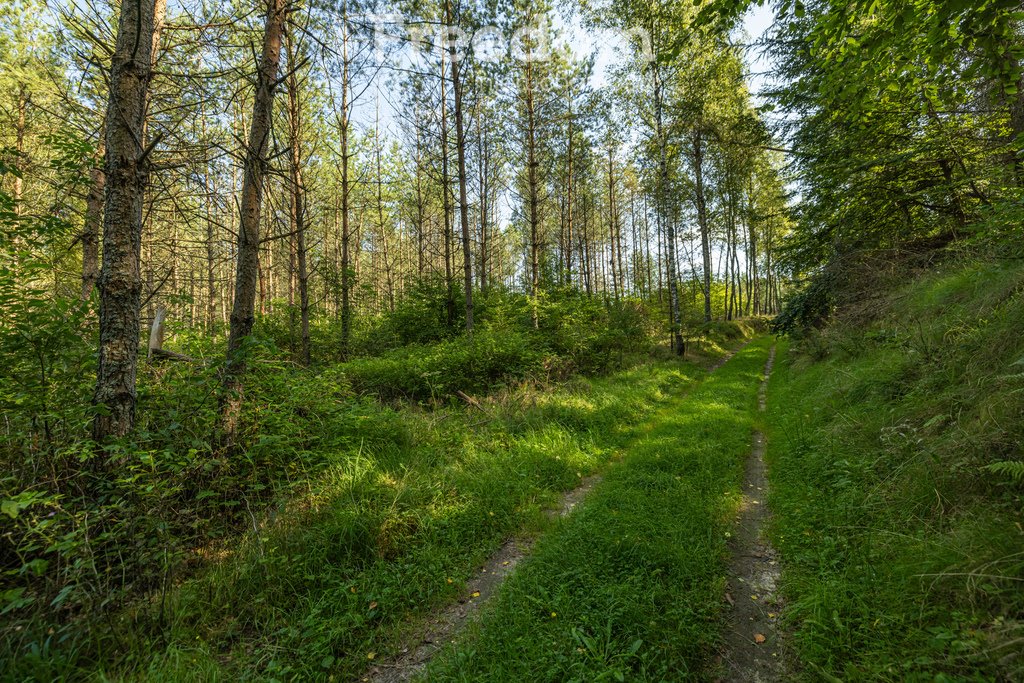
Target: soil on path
x=753, y=648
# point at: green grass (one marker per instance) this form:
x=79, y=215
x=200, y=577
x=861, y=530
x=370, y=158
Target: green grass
x=630, y=585
x=902, y=548
x=388, y=530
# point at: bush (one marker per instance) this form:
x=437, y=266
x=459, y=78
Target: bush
x=421, y=317
x=474, y=364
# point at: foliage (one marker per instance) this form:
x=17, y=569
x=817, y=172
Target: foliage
x=576, y=334
x=418, y=318
x=440, y=370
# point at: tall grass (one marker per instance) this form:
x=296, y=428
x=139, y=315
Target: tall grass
x=401, y=506
x=902, y=543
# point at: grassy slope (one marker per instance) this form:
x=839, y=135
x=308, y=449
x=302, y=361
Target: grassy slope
x=384, y=535
x=630, y=585
x=903, y=555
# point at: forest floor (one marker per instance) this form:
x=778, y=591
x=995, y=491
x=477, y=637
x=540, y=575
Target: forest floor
x=383, y=549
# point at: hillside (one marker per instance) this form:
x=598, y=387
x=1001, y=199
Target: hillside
x=896, y=453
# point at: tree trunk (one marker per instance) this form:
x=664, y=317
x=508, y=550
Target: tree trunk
x=446, y=197
x=484, y=161
x=346, y=265
x=93, y=220
x=460, y=149
x=670, y=236
x=19, y=148
x=211, y=261
x=246, y=273
x=616, y=275
x=127, y=176
x=587, y=281
x=702, y=219
x=385, y=256
x=420, y=219
x=533, y=194
x=298, y=203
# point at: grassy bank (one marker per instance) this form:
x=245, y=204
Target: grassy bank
x=629, y=587
x=897, y=500
x=388, y=528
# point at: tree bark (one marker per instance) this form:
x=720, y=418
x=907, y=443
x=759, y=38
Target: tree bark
x=569, y=196
x=93, y=220
x=533, y=194
x=346, y=266
x=127, y=176
x=19, y=137
x=484, y=160
x=612, y=228
x=446, y=202
x=670, y=233
x=702, y=219
x=298, y=204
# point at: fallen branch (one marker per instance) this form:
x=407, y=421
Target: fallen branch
x=473, y=402
x=156, y=340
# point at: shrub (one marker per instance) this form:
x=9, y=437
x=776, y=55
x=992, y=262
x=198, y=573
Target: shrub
x=474, y=364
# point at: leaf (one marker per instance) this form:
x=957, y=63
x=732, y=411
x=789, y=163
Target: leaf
x=10, y=508
x=13, y=599
x=13, y=506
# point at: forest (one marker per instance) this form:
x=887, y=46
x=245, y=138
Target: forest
x=500, y=340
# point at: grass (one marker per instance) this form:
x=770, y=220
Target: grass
x=630, y=585
x=387, y=530
x=902, y=548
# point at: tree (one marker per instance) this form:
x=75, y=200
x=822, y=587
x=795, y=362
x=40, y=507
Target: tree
x=246, y=273
x=460, y=150
x=298, y=190
x=127, y=176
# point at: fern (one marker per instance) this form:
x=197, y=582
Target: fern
x=1011, y=469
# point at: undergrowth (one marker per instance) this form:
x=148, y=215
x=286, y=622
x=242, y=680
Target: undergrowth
x=371, y=513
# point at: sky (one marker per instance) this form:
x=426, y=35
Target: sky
x=756, y=22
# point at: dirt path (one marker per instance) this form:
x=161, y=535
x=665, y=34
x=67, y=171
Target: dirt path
x=753, y=647
x=441, y=628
